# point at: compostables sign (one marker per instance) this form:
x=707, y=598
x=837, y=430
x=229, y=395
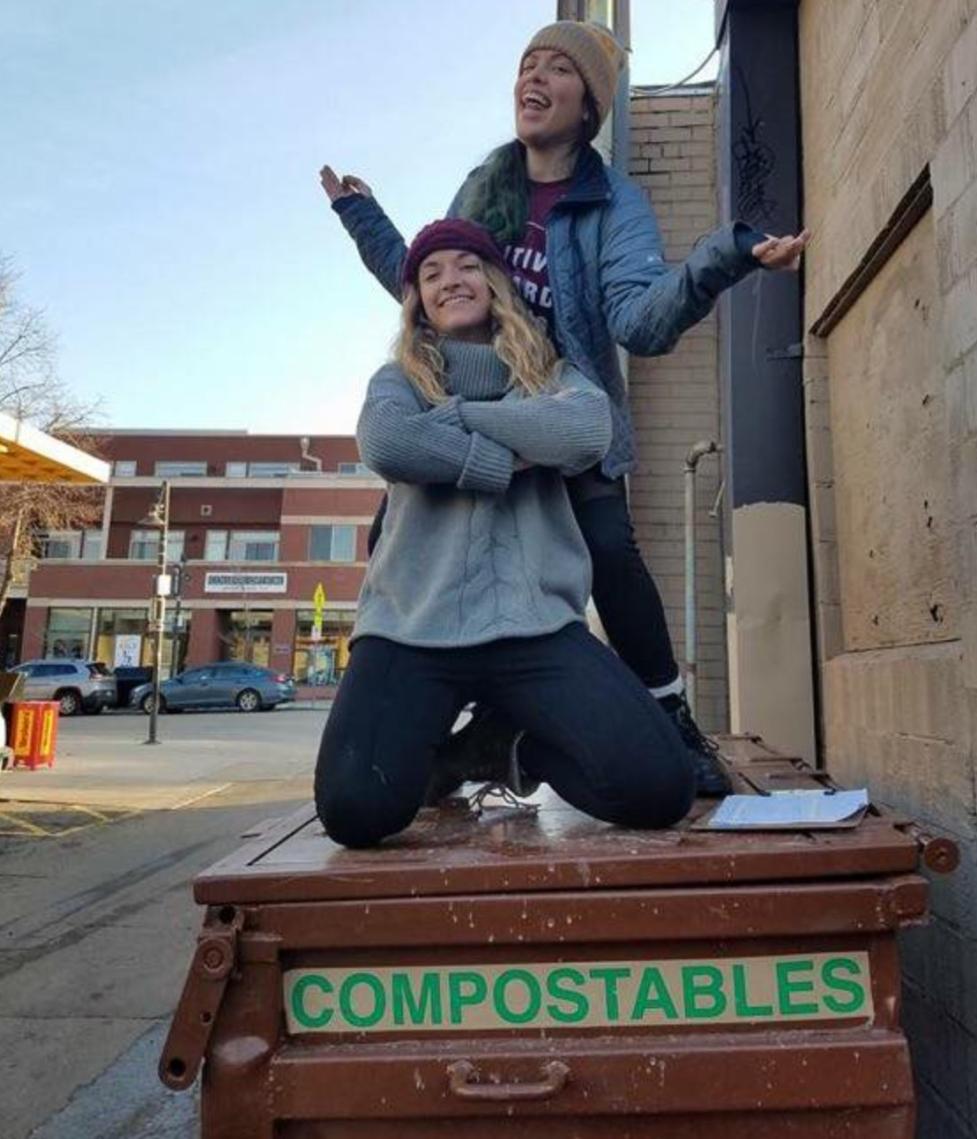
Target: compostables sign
x=592, y=994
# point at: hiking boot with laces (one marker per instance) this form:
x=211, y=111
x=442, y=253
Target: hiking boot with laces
x=711, y=780
x=483, y=751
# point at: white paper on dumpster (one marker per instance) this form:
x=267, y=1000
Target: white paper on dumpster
x=798, y=809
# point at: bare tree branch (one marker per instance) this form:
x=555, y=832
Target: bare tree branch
x=31, y=390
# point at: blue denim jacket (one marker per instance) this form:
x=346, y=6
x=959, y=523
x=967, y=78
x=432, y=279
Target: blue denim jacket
x=608, y=277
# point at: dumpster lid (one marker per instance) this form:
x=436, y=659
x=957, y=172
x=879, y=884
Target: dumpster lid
x=502, y=851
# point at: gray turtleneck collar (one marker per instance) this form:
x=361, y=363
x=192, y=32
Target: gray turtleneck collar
x=473, y=371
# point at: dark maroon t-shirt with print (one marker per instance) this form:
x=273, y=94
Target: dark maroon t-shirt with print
x=527, y=258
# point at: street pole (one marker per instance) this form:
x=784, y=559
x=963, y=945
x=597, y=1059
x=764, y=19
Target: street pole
x=176, y=640
x=158, y=605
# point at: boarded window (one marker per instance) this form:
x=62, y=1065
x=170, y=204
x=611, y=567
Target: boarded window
x=890, y=453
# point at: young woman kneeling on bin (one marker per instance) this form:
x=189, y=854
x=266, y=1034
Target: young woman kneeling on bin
x=477, y=587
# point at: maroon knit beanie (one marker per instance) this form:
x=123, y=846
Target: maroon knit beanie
x=451, y=233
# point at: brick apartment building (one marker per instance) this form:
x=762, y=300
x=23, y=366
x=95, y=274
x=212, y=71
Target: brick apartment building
x=257, y=522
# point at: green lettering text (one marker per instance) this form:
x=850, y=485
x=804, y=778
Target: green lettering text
x=556, y=988
x=653, y=994
x=423, y=1009
x=350, y=1015
x=299, y=989
x=610, y=975
x=741, y=998
x=702, y=992
x=465, y=988
x=854, y=991
x=787, y=987
x=500, y=996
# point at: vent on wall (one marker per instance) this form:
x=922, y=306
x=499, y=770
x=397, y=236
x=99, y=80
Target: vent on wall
x=206, y=510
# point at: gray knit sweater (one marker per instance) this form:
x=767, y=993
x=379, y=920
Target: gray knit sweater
x=473, y=550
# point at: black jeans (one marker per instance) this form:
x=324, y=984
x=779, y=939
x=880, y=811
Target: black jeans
x=593, y=731
x=627, y=599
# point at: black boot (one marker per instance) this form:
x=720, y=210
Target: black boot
x=483, y=751
x=711, y=780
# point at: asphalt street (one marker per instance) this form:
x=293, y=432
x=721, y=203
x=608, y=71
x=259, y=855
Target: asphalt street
x=97, y=921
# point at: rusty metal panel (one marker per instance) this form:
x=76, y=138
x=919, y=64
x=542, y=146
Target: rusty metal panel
x=603, y=1077
x=573, y=917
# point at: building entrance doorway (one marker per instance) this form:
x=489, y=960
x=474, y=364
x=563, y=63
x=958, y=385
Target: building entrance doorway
x=246, y=635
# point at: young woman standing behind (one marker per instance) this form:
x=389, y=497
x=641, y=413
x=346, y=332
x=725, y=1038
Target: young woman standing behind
x=585, y=248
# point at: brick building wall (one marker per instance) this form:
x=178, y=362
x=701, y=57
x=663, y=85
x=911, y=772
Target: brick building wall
x=97, y=603
x=889, y=119
x=675, y=398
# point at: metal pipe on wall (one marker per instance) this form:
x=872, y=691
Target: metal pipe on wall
x=696, y=452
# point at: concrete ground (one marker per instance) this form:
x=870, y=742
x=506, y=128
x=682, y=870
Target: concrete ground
x=97, y=922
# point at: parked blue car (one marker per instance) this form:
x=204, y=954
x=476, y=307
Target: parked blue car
x=227, y=684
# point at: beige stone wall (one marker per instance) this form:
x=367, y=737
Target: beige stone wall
x=888, y=89
x=675, y=398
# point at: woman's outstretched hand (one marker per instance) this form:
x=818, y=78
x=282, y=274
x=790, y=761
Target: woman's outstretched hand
x=781, y=252
x=344, y=187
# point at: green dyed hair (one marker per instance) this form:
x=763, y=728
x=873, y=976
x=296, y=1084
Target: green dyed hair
x=496, y=194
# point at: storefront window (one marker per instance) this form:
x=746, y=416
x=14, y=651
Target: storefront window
x=122, y=640
x=323, y=661
x=68, y=632
x=246, y=635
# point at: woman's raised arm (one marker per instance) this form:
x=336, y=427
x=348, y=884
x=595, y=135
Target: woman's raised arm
x=380, y=244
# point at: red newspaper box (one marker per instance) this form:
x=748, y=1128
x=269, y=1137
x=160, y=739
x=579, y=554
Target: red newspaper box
x=34, y=732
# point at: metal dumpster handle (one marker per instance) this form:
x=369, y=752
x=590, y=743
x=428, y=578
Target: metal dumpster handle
x=463, y=1076
x=196, y=1014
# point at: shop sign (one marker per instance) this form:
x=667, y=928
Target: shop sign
x=233, y=582
x=587, y=994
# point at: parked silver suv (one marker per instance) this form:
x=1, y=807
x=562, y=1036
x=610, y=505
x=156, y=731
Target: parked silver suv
x=77, y=685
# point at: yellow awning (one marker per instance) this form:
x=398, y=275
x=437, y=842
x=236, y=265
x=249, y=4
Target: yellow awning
x=30, y=455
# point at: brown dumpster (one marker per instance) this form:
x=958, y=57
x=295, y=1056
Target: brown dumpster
x=550, y=976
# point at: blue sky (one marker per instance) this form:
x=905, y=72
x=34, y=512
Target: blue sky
x=161, y=199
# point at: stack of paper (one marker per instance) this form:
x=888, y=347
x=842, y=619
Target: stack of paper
x=797, y=810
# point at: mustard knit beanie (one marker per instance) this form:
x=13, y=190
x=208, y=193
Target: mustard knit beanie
x=594, y=51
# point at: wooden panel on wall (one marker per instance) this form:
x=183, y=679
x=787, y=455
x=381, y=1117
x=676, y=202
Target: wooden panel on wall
x=890, y=450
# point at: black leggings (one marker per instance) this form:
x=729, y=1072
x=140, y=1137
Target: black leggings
x=593, y=731
x=627, y=599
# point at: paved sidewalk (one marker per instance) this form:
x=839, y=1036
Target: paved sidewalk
x=125, y=1103
x=97, y=918
x=103, y=762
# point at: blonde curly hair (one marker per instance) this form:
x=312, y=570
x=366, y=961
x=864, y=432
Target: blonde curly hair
x=517, y=339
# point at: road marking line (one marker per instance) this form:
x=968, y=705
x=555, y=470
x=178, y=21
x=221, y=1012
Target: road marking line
x=91, y=811
x=30, y=828
x=196, y=798
x=27, y=829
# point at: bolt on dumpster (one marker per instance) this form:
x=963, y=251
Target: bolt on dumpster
x=550, y=975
